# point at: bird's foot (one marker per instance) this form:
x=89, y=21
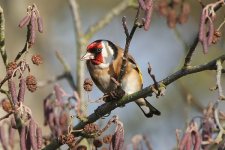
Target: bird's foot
x=115, y=95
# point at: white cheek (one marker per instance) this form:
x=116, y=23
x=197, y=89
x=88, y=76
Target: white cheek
x=104, y=51
x=107, y=53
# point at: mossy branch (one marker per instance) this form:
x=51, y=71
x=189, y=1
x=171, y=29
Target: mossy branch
x=2, y=37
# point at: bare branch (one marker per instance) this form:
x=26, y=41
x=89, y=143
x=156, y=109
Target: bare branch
x=79, y=45
x=107, y=18
x=129, y=37
x=218, y=81
x=65, y=75
x=6, y=116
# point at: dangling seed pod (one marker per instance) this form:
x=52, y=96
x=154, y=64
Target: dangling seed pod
x=12, y=90
x=39, y=137
x=13, y=123
x=37, y=59
x=25, y=21
x=32, y=131
x=28, y=142
x=142, y=4
x=88, y=85
x=22, y=133
x=6, y=105
x=202, y=33
x=3, y=138
x=70, y=140
x=32, y=28
x=211, y=32
x=31, y=83
x=216, y=36
x=11, y=137
x=91, y=128
x=118, y=137
x=10, y=68
x=22, y=89
x=40, y=24
x=148, y=14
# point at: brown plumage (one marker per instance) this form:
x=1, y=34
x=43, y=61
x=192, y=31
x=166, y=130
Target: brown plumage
x=104, y=61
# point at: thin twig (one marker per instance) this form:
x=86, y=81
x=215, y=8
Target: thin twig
x=156, y=86
x=124, y=23
x=67, y=70
x=25, y=49
x=129, y=37
x=52, y=80
x=190, y=53
x=4, y=80
x=221, y=25
x=5, y=92
x=6, y=116
x=66, y=74
x=107, y=18
x=218, y=81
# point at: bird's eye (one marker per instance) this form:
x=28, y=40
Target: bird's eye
x=98, y=50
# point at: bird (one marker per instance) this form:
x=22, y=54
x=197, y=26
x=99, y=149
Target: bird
x=103, y=60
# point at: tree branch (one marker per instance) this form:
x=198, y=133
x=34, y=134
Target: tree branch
x=65, y=75
x=2, y=37
x=107, y=18
x=79, y=46
x=129, y=37
x=190, y=53
x=108, y=107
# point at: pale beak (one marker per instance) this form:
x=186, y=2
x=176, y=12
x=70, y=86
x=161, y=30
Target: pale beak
x=88, y=56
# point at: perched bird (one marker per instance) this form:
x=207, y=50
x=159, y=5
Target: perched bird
x=104, y=61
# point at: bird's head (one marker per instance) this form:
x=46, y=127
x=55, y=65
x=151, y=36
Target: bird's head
x=100, y=52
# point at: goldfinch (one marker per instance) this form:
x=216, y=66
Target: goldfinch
x=104, y=61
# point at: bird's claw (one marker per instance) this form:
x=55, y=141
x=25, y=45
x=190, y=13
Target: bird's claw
x=115, y=95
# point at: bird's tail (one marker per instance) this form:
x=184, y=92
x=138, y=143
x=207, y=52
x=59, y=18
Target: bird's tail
x=147, y=108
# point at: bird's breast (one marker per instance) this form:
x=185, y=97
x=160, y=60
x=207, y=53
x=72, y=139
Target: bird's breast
x=101, y=77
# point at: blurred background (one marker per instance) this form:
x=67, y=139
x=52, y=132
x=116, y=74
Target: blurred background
x=162, y=46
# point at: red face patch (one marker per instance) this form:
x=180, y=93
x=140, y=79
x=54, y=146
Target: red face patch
x=94, y=45
x=98, y=59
